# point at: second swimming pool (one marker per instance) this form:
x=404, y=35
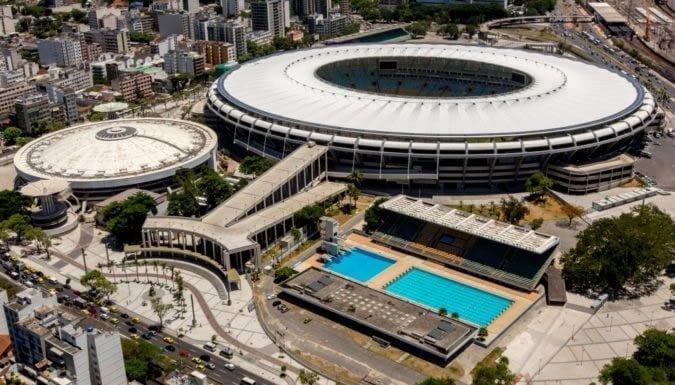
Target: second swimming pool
x=471, y=304
x=358, y=264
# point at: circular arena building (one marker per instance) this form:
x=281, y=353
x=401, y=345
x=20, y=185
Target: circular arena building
x=433, y=114
x=105, y=158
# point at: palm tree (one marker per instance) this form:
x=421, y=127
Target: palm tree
x=155, y=264
x=163, y=264
x=124, y=269
x=145, y=263
x=173, y=272
x=138, y=277
x=356, y=177
x=111, y=264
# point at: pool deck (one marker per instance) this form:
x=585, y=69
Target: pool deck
x=404, y=262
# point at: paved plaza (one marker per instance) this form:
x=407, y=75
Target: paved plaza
x=569, y=346
x=238, y=320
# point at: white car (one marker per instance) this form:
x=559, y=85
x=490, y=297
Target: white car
x=230, y=366
x=105, y=316
x=210, y=365
x=272, y=296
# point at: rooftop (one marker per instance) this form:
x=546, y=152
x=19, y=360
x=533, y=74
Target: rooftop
x=246, y=198
x=115, y=150
x=45, y=187
x=608, y=13
x=285, y=88
x=396, y=318
x=502, y=232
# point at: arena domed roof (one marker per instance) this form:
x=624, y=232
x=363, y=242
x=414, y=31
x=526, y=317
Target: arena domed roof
x=117, y=152
x=512, y=92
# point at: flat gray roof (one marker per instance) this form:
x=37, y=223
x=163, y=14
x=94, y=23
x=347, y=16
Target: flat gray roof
x=400, y=320
x=236, y=237
x=502, y=232
x=608, y=13
x=254, y=192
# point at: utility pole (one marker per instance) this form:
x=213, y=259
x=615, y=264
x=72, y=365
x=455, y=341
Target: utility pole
x=84, y=260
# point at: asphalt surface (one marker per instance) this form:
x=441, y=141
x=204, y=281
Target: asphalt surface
x=616, y=59
x=219, y=373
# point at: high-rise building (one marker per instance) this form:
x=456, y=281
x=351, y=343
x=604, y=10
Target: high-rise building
x=9, y=58
x=175, y=24
x=330, y=26
x=116, y=41
x=9, y=93
x=7, y=21
x=191, y=6
x=66, y=98
x=268, y=15
x=80, y=350
x=181, y=62
x=216, y=52
x=163, y=45
x=9, y=78
x=133, y=86
x=75, y=78
x=232, y=8
x=31, y=110
x=235, y=33
x=96, y=16
x=60, y=51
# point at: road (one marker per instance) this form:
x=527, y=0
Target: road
x=219, y=374
x=603, y=55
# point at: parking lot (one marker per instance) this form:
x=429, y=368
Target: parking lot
x=661, y=166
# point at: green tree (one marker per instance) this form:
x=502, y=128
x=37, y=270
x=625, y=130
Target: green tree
x=418, y=28
x=309, y=216
x=624, y=371
x=538, y=184
x=214, y=188
x=160, y=309
x=630, y=249
x=656, y=349
x=513, y=210
x=307, y=377
x=136, y=369
x=572, y=212
x=23, y=140
x=536, y=223
x=13, y=202
x=498, y=374
x=450, y=31
x=355, y=178
x=94, y=279
x=283, y=274
x=79, y=16
x=11, y=133
x=437, y=381
x=183, y=204
x=470, y=30
x=137, y=357
x=255, y=165
x=17, y=223
x=140, y=37
x=374, y=214
x=125, y=219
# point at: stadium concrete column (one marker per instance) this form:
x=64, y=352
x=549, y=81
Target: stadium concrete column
x=213, y=162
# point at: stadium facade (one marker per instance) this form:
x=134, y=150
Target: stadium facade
x=437, y=114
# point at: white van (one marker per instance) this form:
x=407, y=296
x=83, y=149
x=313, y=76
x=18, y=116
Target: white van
x=104, y=310
x=247, y=381
x=210, y=346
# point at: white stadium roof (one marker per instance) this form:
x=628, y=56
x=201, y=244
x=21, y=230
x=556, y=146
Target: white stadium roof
x=564, y=94
x=117, y=151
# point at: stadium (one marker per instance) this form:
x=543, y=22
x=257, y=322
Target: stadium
x=102, y=159
x=446, y=115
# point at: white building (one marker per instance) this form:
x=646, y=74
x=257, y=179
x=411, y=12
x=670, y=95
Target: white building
x=75, y=78
x=269, y=15
x=97, y=15
x=9, y=58
x=8, y=78
x=191, y=6
x=62, y=52
x=232, y=8
x=82, y=350
x=181, y=62
x=7, y=21
x=235, y=33
x=162, y=46
x=10, y=93
x=260, y=37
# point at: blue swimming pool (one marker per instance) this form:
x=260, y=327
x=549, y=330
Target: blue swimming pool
x=434, y=291
x=358, y=264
